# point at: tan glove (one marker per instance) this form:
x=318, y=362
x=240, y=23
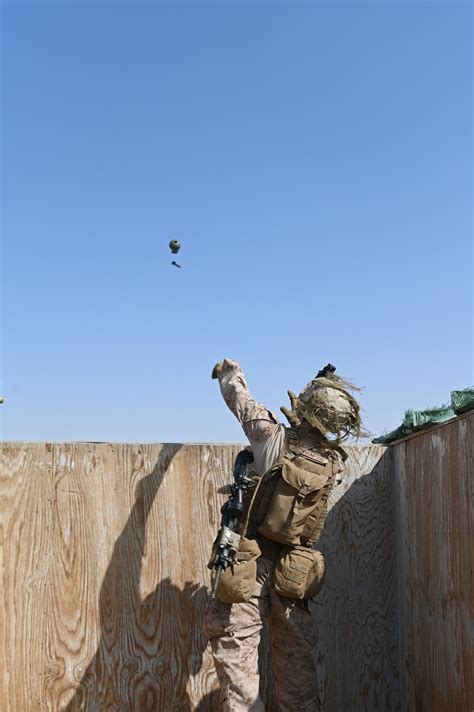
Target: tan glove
x=291, y=415
x=216, y=371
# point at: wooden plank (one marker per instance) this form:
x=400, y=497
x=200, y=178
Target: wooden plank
x=357, y=653
x=26, y=564
x=91, y=499
x=433, y=476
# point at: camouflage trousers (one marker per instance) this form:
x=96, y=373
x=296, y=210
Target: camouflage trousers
x=234, y=633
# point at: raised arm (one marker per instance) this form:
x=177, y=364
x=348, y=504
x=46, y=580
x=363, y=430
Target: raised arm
x=259, y=424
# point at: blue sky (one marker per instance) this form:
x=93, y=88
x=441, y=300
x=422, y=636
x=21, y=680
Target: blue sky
x=314, y=160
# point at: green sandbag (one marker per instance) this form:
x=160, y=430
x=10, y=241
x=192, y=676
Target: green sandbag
x=461, y=402
x=416, y=420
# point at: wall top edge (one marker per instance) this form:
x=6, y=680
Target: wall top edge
x=436, y=426
x=69, y=443
x=118, y=443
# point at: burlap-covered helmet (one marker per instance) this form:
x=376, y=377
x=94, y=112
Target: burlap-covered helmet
x=327, y=405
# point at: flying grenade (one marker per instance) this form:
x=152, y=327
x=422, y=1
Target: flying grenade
x=175, y=247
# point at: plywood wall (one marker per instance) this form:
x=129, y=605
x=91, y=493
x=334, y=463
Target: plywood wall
x=433, y=475
x=104, y=573
x=357, y=655
x=104, y=578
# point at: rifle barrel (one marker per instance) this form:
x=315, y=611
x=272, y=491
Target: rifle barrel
x=216, y=580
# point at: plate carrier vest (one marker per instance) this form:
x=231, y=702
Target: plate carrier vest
x=289, y=503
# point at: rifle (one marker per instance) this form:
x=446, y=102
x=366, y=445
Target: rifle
x=228, y=540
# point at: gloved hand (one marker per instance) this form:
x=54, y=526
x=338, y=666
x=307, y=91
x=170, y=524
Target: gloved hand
x=291, y=415
x=216, y=371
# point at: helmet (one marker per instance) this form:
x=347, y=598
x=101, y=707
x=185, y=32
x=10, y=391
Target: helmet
x=174, y=246
x=327, y=406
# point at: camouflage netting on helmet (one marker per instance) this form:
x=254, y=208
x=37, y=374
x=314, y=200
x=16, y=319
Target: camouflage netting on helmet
x=327, y=405
x=416, y=420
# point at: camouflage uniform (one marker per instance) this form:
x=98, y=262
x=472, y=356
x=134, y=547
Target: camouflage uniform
x=234, y=629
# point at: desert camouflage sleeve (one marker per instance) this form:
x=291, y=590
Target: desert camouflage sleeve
x=257, y=421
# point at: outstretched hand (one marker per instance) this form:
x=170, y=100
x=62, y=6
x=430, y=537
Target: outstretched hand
x=291, y=415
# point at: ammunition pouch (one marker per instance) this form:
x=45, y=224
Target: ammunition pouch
x=237, y=581
x=290, y=502
x=299, y=572
x=283, y=520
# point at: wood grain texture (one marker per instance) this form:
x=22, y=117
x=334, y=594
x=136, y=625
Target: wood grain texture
x=433, y=473
x=26, y=565
x=104, y=554
x=356, y=609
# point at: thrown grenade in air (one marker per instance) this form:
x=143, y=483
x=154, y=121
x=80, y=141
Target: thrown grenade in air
x=175, y=246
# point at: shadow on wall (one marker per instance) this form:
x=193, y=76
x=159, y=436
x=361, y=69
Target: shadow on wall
x=357, y=656
x=148, y=648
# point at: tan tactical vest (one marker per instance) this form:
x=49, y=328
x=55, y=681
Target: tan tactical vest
x=289, y=502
